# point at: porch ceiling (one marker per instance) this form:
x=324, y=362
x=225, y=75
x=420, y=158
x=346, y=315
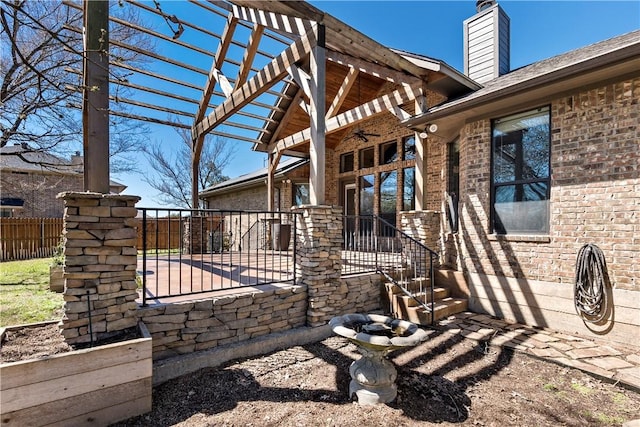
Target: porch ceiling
x=239, y=69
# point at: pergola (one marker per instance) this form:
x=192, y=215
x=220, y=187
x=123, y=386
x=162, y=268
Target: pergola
x=282, y=75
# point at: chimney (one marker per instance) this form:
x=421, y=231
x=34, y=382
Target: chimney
x=486, y=42
x=77, y=159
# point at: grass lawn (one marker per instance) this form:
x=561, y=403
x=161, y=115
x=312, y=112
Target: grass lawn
x=24, y=293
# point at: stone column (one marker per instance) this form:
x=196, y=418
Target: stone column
x=424, y=226
x=100, y=265
x=194, y=235
x=319, y=261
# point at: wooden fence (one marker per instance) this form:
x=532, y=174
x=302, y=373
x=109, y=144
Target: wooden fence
x=166, y=233
x=26, y=238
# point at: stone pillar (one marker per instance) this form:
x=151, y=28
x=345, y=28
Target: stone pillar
x=319, y=261
x=194, y=235
x=424, y=226
x=100, y=265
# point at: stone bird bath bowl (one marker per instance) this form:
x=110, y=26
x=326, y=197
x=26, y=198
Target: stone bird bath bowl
x=373, y=376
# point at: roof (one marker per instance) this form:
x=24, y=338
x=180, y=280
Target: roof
x=22, y=158
x=546, y=79
x=253, y=178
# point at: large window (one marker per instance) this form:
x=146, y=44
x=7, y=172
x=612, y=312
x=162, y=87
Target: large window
x=388, y=196
x=388, y=152
x=453, y=184
x=366, y=195
x=409, y=190
x=521, y=173
x=300, y=194
x=346, y=162
x=409, y=148
x=366, y=158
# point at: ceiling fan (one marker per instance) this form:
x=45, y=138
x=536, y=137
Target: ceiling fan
x=361, y=134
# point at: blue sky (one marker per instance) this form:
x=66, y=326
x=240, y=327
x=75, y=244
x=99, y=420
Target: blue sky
x=539, y=30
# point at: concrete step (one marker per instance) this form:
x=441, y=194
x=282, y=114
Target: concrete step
x=439, y=293
x=443, y=308
x=413, y=285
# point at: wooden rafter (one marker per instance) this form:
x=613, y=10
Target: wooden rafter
x=249, y=54
x=284, y=120
x=370, y=68
x=355, y=115
x=221, y=53
x=343, y=92
x=258, y=84
x=275, y=21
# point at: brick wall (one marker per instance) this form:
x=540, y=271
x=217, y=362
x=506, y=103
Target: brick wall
x=39, y=192
x=595, y=198
x=595, y=193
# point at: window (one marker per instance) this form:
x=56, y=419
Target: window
x=453, y=184
x=346, y=162
x=300, y=194
x=409, y=190
x=409, y=148
x=366, y=195
x=520, y=173
x=388, y=152
x=366, y=158
x=388, y=196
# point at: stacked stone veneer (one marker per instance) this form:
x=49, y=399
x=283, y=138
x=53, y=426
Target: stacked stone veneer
x=424, y=226
x=318, y=262
x=185, y=327
x=193, y=235
x=100, y=265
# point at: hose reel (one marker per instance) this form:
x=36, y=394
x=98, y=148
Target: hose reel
x=591, y=293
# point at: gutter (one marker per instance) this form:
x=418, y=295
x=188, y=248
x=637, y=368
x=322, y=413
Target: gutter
x=626, y=54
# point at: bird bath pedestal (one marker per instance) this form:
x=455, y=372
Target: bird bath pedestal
x=373, y=376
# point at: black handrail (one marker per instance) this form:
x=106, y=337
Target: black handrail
x=392, y=252
x=211, y=256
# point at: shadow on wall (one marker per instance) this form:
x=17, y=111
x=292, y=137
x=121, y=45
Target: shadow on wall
x=498, y=270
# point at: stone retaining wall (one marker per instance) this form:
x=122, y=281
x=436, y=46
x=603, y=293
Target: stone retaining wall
x=185, y=327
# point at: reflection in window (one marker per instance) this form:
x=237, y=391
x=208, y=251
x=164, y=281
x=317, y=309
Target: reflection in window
x=409, y=190
x=300, y=194
x=388, y=152
x=453, y=184
x=366, y=158
x=388, y=192
x=409, y=148
x=520, y=173
x=366, y=194
x=346, y=162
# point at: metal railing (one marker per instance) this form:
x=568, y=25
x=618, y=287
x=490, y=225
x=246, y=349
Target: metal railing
x=372, y=244
x=192, y=251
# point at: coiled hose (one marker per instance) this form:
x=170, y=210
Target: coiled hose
x=590, y=293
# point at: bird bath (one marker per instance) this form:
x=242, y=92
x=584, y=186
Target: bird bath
x=373, y=376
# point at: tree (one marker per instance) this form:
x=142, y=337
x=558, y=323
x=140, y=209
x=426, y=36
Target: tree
x=41, y=78
x=172, y=173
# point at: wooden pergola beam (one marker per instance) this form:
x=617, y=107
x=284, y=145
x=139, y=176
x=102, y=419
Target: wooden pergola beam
x=218, y=59
x=257, y=85
x=275, y=21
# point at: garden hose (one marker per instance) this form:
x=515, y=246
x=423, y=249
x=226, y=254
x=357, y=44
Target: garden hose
x=590, y=293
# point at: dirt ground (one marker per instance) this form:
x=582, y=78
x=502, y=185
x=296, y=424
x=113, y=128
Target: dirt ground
x=447, y=380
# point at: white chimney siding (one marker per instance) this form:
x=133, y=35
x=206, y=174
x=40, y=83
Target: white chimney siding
x=486, y=44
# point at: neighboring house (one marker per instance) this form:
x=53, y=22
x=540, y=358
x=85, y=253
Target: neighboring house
x=522, y=168
x=249, y=191
x=30, y=181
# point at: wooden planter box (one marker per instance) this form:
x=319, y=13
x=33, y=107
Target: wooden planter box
x=94, y=386
x=56, y=281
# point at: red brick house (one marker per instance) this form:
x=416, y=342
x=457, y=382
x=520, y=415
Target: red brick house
x=519, y=168
x=30, y=180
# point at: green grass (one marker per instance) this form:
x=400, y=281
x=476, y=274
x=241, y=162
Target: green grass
x=24, y=293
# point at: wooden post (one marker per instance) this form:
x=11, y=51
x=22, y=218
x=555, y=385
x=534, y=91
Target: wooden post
x=318, y=125
x=273, y=160
x=95, y=109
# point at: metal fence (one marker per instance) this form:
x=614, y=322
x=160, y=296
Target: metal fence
x=189, y=251
x=26, y=238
